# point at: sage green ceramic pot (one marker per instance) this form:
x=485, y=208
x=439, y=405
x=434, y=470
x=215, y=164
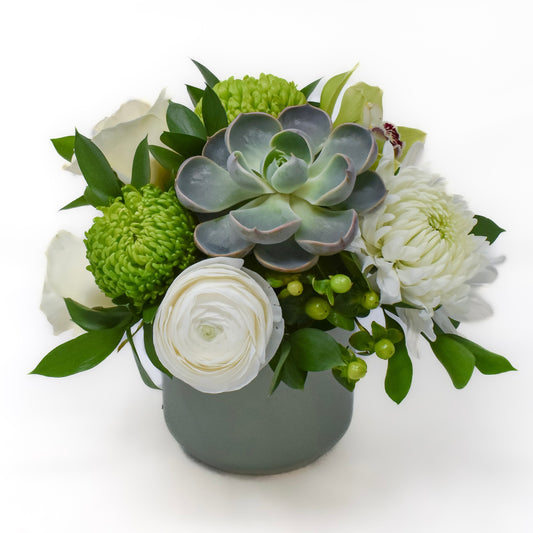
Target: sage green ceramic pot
x=248, y=432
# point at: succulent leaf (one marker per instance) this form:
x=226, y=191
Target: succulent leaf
x=313, y=122
x=204, y=187
x=215, y=148
x=290, y=176
x=369, y=191
x=292, y=142
x=285, y=257
x=266, y=220
x=250, y=134
x=216, y=238
x=323, y=231
x=244, y=177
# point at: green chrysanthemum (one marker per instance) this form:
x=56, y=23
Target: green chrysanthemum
x=268, y=94
x=140, y=244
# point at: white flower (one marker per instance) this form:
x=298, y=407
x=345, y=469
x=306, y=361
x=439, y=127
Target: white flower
x=119, y=135
x=218, y=325
x=67, y=276
x=419, y=241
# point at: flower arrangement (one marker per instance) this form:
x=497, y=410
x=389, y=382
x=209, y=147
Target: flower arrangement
x=237, y=232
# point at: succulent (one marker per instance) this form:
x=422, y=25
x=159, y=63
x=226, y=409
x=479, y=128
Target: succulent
x=288, y=188
x=139, y=244
x=268, y=94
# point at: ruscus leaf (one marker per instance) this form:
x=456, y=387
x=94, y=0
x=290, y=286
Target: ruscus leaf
x=140, y=172
x=181, y=119
x=209, y=77
x=98, y=317
x=332, y=90
x=485, y=227
x=213, y=112
x=64, y=147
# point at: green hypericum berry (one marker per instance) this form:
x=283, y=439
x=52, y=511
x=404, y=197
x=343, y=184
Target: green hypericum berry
x=370, y=300
x=356, y=369
x=140, y=244
x=340, y=283
x=295, y=288
x=317, y=308
x=384, y=349
x=268, y=94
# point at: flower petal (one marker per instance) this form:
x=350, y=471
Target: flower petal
x=250, y=134
x=217, y=238
x=323, y=231
x=266, y=220
x=285, y=257
x=203, y=186
x=313, y=122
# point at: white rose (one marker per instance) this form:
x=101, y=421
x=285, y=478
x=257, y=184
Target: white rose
x=67, y=276
x=119, y=135
x=218, y=325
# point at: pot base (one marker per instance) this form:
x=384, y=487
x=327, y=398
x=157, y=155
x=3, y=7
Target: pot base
x=248, y=432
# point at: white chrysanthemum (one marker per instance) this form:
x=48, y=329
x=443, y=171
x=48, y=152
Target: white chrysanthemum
x=419, y=240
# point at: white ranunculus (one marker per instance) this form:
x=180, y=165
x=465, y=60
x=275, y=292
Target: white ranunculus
x=218, y=325
x=420, y=244
x=67, y=276
x=119, y=135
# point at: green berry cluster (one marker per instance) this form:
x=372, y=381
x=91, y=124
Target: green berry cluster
x=381, y=341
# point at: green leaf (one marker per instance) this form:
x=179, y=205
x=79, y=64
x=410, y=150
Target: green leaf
x=98, y=317
x=485, y=227
x=343, y=380
x=140, y=172
x=486, y=362
x=399, y=369
x=181, y=119
x=64, y=146
x=314, y=350
x=341, y=321
x=195, y=94
x=280, y=358
x=308, y=89
x=185, y=145
x=209, y=77
x=79, y=354
x=147, y=380
x=78, y=202
x=149, y=313
x=362, y=341
x=213, y=112
x=166, y=158
x=378, y=331
x=395, y=335
x=456, y=359
x=332, y=90
x=97, y=172
x=352, y=265
x=148, y=333
x=95, y=199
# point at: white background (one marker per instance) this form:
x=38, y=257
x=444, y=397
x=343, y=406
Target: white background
x=91, y=452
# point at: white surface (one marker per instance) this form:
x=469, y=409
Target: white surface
x=91, y=452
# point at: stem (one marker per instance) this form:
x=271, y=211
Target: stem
x=360, y=326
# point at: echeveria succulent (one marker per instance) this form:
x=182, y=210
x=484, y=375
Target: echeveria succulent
x=288, y=188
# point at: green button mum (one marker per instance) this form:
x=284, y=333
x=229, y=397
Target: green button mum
x=140, y=244
x=268, y=94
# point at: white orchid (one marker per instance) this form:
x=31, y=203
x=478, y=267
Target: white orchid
x=419, y=243
x=67, y=276
x=218, y=325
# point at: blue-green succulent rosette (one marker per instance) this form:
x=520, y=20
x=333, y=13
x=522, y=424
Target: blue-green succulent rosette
x=292, y=187
x=310, y=219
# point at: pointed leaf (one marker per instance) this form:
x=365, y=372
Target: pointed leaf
x=166, y=158
x=148, y=333
x=140, y=172
x=147, y=380
x=79, y=354
x=185, y=145
x=456, y=359
x=195, y=94
x=78, y=202
x=213, y=112
x=209, y=77
x=181, y=119
x=64, y=146
x=308, y=89
x=399, y=368
x=486, y=362
x=332, y=90
x=485, y=227
x=97, y=172
x=314, y=350
x=341, y=321
x=362, y=341
x=277, y=363
x=98, y=317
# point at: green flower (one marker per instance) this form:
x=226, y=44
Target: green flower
x=268, y=94
x=140, y=244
